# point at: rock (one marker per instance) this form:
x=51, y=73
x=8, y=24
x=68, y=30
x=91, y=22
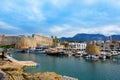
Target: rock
x=14, y=71
x=42, y=76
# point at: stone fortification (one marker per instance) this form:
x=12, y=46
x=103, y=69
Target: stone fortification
x=93, y=49
x=25, y=41
x=8, y=40
x=42, y=40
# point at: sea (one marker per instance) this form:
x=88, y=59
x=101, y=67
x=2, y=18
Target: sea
x=83, y=69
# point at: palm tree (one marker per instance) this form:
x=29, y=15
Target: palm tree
x=55, y=40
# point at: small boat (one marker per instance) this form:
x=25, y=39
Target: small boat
x=95, y=57
x=78, y=55
x=92, y=57
x=103, y=56
x=38, y=49
x=53, y=51
x=114, y=53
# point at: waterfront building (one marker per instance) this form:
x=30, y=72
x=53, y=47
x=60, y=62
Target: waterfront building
x=110, y=45
x=22, y=41
x=78, y=46
x=92, y=48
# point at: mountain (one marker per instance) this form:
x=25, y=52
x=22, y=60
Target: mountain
x=115, y=37
x=89, y=37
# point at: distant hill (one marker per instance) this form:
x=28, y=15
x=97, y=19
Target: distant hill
x=89, y=37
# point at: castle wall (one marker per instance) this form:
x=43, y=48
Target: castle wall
x=1, y=38
x=42, y=40
x=25, y=41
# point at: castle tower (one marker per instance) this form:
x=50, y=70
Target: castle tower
x=93, y=48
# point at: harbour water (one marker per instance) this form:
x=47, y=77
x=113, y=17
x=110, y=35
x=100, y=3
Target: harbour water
x=74, y=67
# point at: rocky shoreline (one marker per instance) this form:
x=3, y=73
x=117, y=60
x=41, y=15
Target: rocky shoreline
x=13, y=71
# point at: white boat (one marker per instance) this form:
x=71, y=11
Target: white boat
x=78, y=55
x=114, y=53
x=36, y=50
x=95, y=57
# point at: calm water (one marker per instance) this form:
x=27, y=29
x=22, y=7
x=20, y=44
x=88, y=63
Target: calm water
x=74, y=67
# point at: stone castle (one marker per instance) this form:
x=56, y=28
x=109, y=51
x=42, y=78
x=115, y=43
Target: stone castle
x=22, y=42
x=92, y=48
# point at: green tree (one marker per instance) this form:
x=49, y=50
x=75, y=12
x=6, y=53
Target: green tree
x=55, y=40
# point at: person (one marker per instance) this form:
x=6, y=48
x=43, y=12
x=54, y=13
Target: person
x=8, y=54
x=3, y=55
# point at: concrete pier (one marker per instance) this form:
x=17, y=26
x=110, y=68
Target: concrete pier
x=23, y=63
x=68, y=78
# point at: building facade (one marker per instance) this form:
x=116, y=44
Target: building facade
x=79, y=46
x=110, y=46
x=25, y=41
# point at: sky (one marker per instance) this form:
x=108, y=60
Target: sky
x=61, y=18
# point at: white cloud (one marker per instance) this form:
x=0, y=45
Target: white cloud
x=110, y=29
x=69, y=31
x=89, y=2
x=34, y=10
x=59, y=29
x=28, y=9
x=9, y=29
x=60, y=3
x=106, y=30
x=6, y=26
x=115, y=3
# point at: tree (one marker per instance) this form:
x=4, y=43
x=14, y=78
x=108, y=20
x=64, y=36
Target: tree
x=55, y=40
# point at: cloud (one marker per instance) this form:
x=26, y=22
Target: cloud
x=60, y=3
x=115, y=3
x=68, y=17
x=59, y=29
x=110, y=29
x=6, y=26
x=69, y=31
x=89, y=2
x=24, y=10
x=34, y=10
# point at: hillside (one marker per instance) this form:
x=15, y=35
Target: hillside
x=89, y=37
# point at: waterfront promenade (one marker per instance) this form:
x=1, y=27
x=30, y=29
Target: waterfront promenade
x=22, y=63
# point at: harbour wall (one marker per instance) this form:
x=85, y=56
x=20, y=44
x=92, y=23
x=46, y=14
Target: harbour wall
x=25, y=41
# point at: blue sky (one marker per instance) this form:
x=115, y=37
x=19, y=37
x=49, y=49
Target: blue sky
x=59, y=17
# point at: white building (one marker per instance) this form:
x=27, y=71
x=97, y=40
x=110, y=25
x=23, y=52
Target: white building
x=78, y=46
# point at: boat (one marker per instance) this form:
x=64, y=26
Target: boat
x=78, y=55
x=54, y=51
x=114, y=53
x=38, y=49
x=92, y=57
x=102, y=56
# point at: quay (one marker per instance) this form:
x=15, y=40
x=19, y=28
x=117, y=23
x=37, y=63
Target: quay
x=23, y=63
x=68, y=78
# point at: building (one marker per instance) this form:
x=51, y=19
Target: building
x=92, y=48
x=78, y=46
x=26, y=41
x=110, y=46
